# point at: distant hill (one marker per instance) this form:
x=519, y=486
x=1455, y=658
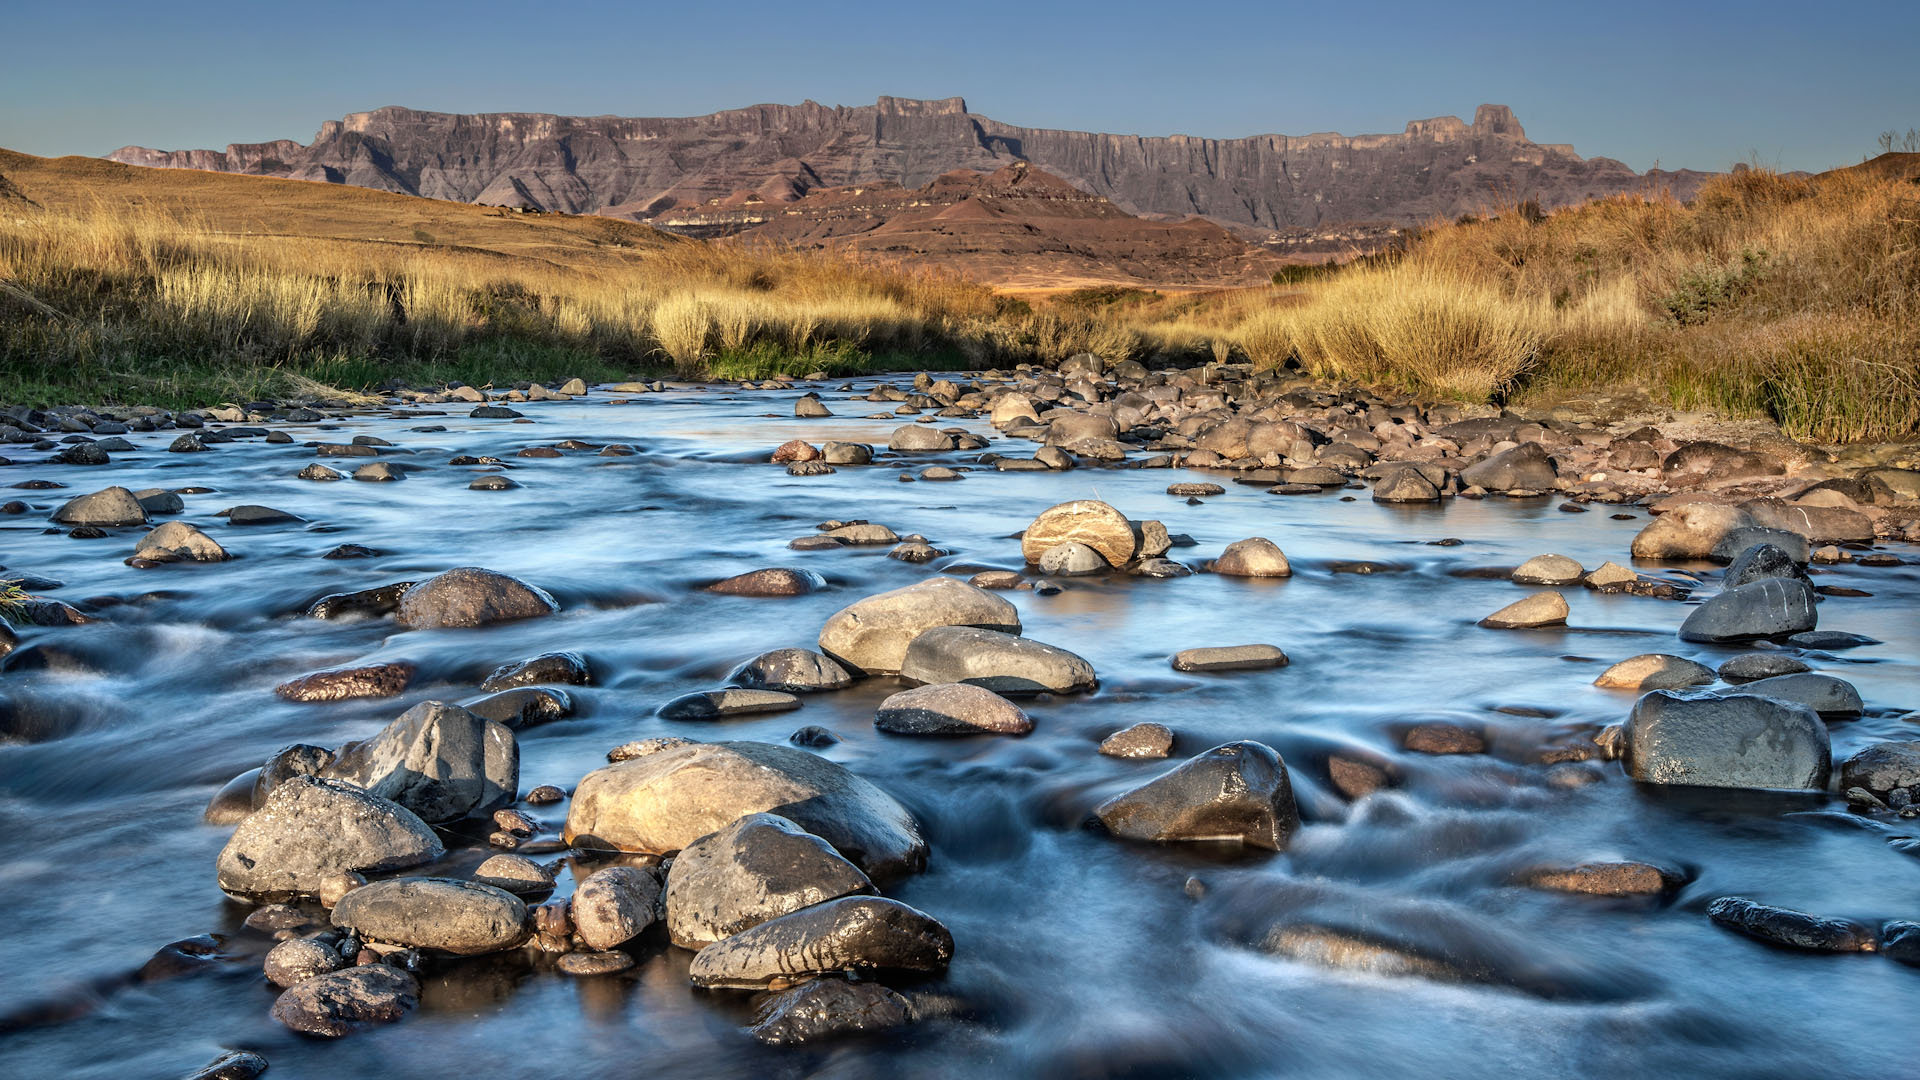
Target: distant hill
x=1264, y=186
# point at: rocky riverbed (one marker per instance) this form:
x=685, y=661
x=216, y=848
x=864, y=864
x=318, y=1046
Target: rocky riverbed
x=1092, y=722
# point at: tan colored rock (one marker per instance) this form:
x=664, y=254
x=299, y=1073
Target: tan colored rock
x=1655, y=671
x=1689, y=531
x=872, y=635
x=1540, y=609
x=1086, y=521
x=1254, y=557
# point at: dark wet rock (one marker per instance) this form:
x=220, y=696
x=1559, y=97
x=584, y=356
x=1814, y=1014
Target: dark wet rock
x=1000, y=662
x=1443, y=738
x=367, y=603
x=1356, y=777
x=662, y=801
x=810, y=468
x=1160, y=568
x=813, y=735
x=1230, y=658
x=493, y=482
x=343, y=1002
x=1794, y=929
x=871, y=636
x=1758, y=562
x=587, y=964
x=353, y=449
x=351, y=551
x=379, y=471
x=1145, y=740
x=470, y=596
x=465, y=918
x=951, y=709
x=1746, y=537
x=177, y=541
x=523, y=707
x=160, y=501
x=1748, y=667
x=1900, y=940
x=299, y=959
x=321, y=473
x=793, y=671
x=773, y=581
x=561, y=668
x=346, y=684
x=1085, y=521
x=494, y=412
x=1604, y=879
x=758, y=868
x=309, y=828
x=1823, y=694
x=1236, y=792
x=516, y=874
x=438, y=760
x=1540, y=609
x=1830, y=640
x=1818, y=524
x=1255, y=557
x=722, y=704
x=188, y=443
x=1889, y=771
x=257, y=515
x=855, y=933
x=1768, y=608
x=232, y=1065
x=1549, y=570
x=110, y=508
x=1655, y=671
x=845, y=453
x=1726, y=740
x=544, y=795
x=298, y=759
x=827, y=1009
x=614, y=905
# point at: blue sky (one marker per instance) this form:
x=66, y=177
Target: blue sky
x=1794, y=85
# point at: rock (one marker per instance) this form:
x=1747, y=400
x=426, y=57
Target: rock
x=1443, y=738
x=1698, y=463
x=1768, y=608
x=1194, y=490
x=1900, y=940
x=1726, y=740
x=82, y=453
x=951, y=709
x=309, y=828
x=722, y=704
x=365, y=603
x=1794, y=929
x=614, y=905
x=1146, y=740
x=1728, y=547
x=1818, y=524
x=663, y=801
x=1690, y=531
x=493, y=482
x=854, y=933
x=793, y=671
x=863, y=534
x=1540, y=609
x=177, y=541
x=522, y=708
x=257, y=515
x=1085, y=521
x=1548, y=570
x=470, y=596
x=844, y=453
x=379, y=471
x=465, y=918
x=1524, y=468
x=810, y=407
x=1605, y=879
x=826, y=1009
x=918, y=437
x=1886, y=770
x=1405, y=485
x=1829, y=640
x=1236, y=792
x=516, y=874
x=495, y=412
x=1759, y=562
x=563, y=668
x=1611, y=575
x=438, y=760
x=1255, y=557
x=108, y=508
x=574, y=388
x=343, y=1002
x=1072, y=559
x=1655, y=671
x=871, y=636
x=587, y=964
x=1823, y=694
x=232, y=1065
x=299, y=959
x=1748, y=667
x=757, y=868
x=1230, y=658
x=160, y=501
x=188, y=443
x=346, y=684
x=794, y=450
x=1000, y=662
x=773, y=581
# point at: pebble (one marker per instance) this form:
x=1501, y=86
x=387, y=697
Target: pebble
x=1145, y=740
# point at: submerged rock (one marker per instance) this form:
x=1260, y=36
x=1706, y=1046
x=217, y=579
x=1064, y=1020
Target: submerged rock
x=1748, y=667
x=721, y=704
x=772, y=581
x=758, y=868
x=1230, y=658
x=1726, y=740
x=343, y=684
x=1236, y=792
x=1604, y=879
x=1145, y=740
x=564, y=668
x=1823, y=694
x=1794, y=929
x=856, y=933
x=827, y=1009
x=1540, y=609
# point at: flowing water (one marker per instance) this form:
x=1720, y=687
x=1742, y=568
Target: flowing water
x=1076, y=954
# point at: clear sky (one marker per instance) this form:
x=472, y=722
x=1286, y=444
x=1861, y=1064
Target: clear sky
x=1795, y=84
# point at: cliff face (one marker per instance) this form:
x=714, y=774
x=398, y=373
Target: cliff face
x=640, y=168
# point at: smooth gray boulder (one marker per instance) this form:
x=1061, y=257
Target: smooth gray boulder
x=793, y=671
x=465, y=918
x=107, y=508
x=438, y=760
x=760, y=867
x=1256, y=557
x=310, y=828
x=613, y=906
x=1072, y=559
x=1689, y=531
x=1236, y=792
x=1889, y=771
x=1726, y=740
x=343, y=1002
x=871, y=635
x=1405, y=485
x=470, y=596
x=1729, y=548
x=1000, y=662
x=296, y=960
x=1823, y=694
x=854, y=933
x=663, y=800
x=1768, y=608
x=951, y=709
x=1526, y=467
x=919, y=437
x=177, y=541
x=523, y=707
x=1753, y=666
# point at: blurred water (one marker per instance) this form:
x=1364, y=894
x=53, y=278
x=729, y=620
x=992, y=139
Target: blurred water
x=1076, y=955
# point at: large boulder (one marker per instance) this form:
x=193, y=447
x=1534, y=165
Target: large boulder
x=1823, y=694
x=760, y=867
x=108, y=508
x=438, y=760
x=871, y=635
x=951, y=709
x=1086, y=521
x=470, y=596
x=1526, y=467
x=665, y=800
x=1000, y=662
x=1256, y=557
x=612, y=906
x=1889, y=771
x=1726, y=740
x=1819, y=524
x=1768, y=608
x=853, y=933
x=309, y=829
x=1237, y=792
x=465, y=918
x=1689, y=532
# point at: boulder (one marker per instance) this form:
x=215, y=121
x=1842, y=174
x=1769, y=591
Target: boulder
x=470, y=596
x=793, y=671
x=915, y=438
x=1655, y=671
x=1540, y=609
x=951, y=709
x=298, y=959
x=1761, y=561
x=1768, y=608
x=1889, y=771
x=1072, y=559
x=722, y=704
x=438, y=760
x=871, y=636
x=853, y=933
x=1726, y=740
x=310, y=828
x=1605, y=879
x=1690, y=531
x=1147, y=740
x=343, y=1002
x=1237, y=792
x=1748, y=667
x=760, y=867
x=1793, y=929
x=1526, y=467
x=465, y=918
x=1823, y=694
x=612, y=906
x=1000, y=662
x=1230, y=658
x=177, y=541
x=525, y=707
x=1405, y=485
x=108, y=508
x=772, y=581
x=1085, y=521
x=827, y=1009
x=1699, y=463
x=1548, y=570
x=345, y=684
x=1255, y=557
x=660, y=802
x=1818, y=524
